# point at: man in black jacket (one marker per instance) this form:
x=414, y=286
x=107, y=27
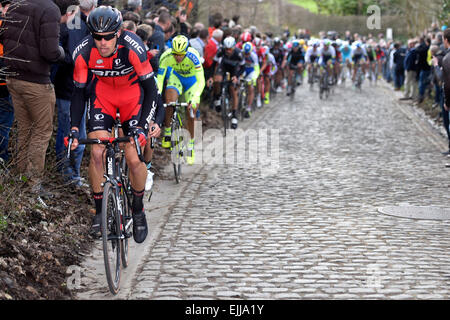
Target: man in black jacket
x=424, y=67
x=157, y=40
x=399, y=72
x=71, y=35
x=445, y=64
x=31, y=44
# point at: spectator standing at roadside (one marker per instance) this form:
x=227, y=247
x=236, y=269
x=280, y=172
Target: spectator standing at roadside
x=200, y=42
x=424, y=68
x=157, y=40
x=211, y=49
x=411, y=86
x=399, y=69
x=445, y=65
x=6, y=107
x=30, y=87
x=71, y=35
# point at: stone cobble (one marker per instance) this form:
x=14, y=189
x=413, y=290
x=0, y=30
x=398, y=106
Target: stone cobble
x=312, y=230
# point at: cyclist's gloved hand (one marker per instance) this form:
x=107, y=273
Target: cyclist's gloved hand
x=139, y=132
x=74, y=134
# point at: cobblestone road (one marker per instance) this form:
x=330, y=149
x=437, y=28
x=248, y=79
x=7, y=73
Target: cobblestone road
x=312, y=230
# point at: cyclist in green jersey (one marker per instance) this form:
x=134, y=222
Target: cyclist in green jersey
x=182, y=68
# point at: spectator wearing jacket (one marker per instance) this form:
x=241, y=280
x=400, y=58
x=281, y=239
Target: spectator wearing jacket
x=399, y=69
x=71, y=35
x=29, y=83
x=411, y=86
x=210, y=51
x=445, y=67
x=438, y=56
x=199, y=42
x=424, y=67
x=6, y=107
x=157, y=41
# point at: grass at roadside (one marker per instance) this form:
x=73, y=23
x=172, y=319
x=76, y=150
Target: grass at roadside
x=307, y=4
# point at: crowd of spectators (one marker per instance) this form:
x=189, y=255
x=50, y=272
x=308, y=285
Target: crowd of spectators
x=40, y=68
x=417, y=68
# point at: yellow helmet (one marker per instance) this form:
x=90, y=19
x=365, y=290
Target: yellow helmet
x=180, y=44
x=302, y=42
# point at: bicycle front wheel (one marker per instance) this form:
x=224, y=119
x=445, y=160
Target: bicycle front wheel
x=110, y=228
x=224, y=114
x=177, y=151
x=126, y=227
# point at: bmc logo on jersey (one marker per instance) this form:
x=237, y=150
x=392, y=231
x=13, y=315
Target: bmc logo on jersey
x=134, y=44
x=113, y=73
x=77, y=49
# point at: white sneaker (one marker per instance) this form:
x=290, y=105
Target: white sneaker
x=279, y=89
x=149, y=182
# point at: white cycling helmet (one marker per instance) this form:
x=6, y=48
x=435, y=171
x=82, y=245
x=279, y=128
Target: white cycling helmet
x=229, y=42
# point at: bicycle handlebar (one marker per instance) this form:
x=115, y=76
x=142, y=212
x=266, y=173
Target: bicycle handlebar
x=176, y=104
x=179, y=104
x=106, y=141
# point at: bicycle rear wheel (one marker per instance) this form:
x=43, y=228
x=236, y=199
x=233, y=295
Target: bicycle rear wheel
x=110, y=228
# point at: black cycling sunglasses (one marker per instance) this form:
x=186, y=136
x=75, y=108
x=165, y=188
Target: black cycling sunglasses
x=107, y=37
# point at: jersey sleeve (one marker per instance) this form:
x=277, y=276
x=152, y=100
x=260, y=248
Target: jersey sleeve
x=162, y=70
x=197, y=66
x=80, y=57
x=137, y=55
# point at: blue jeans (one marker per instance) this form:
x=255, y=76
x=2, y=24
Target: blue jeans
x=438, y=98
x=70, y=169
x=399, y=78
x=6, y=121
x=424, y=81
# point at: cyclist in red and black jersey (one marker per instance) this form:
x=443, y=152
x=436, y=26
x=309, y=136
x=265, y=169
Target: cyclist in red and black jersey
x=122, y=82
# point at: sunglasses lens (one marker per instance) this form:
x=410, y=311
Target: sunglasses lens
x=107, y=37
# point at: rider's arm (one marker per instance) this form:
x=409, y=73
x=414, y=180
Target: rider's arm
x=333, y=54
x=255, y=63
x=151, y=98
x=162, y=70
x=241, y=66
x=199, y=75
x=308, y=56
x=144, y=71
x=77, y=104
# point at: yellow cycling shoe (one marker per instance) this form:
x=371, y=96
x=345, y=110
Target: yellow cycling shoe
x=267, y=98
x=190, y=158
x=166, y=142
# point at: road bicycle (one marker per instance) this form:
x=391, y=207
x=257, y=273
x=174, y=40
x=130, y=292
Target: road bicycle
x=359, y=77
x=324, y=88
x=116, y=217
x=179, y=137
x=312, y=76
x=225, y=102
x=243, y=94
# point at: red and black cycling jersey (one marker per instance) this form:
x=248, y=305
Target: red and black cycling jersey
x=125, y=76
x=122, y=68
